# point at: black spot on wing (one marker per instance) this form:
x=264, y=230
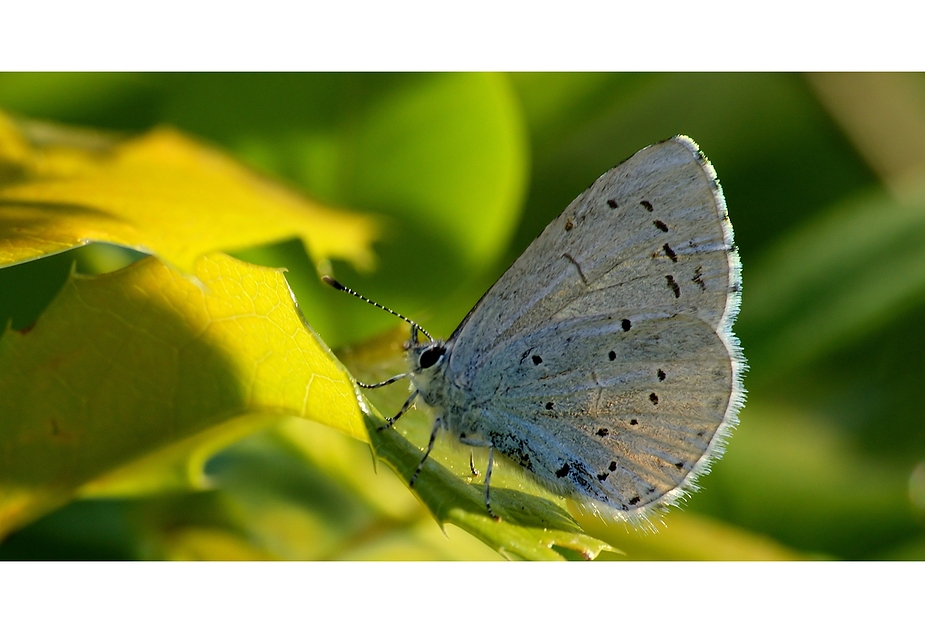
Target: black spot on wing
x=612, y=203
x=562, y=472
x=698, y=278
x=634, y=422
x=647, y=205
x=653, y=398
x=670, y=253
x=602, y=432
x=612, y=355
x=549, y=406
x=661, y=375
x=568, y=224
x=612, y=467
x=537, y=360
x=661, y=226
x=675, y=288
x=626, y=325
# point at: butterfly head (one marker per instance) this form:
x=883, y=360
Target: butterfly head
x=430, y=355
x=427, y=356
x=428, y=363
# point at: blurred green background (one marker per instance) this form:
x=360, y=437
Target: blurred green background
x=824, y=177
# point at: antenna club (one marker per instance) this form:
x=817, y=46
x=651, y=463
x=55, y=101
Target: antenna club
x=333, y=282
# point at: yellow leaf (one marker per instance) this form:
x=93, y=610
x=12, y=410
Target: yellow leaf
x=159, y=193
x=143, y=367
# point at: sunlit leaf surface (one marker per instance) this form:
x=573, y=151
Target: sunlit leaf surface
x=146, y=367
x=159, y=193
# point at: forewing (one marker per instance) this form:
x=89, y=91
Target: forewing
x=649, y=239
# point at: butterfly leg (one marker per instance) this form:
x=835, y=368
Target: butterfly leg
x=430, y=446
x=376, y=385
x=475, y=473
x=491, y=460
x=391, y=421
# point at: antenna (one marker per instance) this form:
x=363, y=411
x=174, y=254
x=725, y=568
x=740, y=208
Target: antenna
x=415, y=328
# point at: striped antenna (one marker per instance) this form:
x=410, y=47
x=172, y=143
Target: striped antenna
x=414, y=326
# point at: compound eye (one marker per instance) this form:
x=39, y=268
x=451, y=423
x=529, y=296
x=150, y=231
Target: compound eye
x=431, y=356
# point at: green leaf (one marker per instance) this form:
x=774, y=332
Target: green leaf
x=143, y=367
x=462, y=138
x=531, y=525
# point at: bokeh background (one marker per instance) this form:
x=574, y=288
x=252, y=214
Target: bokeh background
x=824, y=176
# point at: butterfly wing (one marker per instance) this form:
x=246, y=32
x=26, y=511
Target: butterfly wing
x=622, y=418
x=636, y=279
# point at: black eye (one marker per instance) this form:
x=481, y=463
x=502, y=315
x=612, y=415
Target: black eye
x=431, y=357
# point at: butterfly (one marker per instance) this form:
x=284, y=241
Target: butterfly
x=603, y=360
